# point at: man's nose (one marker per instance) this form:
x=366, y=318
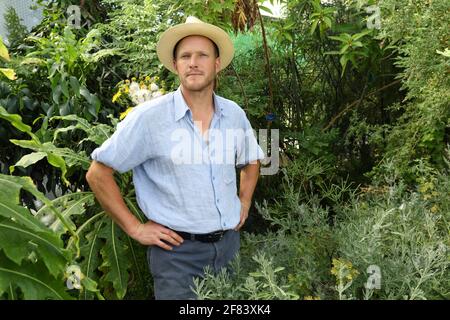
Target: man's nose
x=193, y=61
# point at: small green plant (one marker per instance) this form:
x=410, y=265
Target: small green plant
x=262, y=284
x=15, y=29
x=345, y=274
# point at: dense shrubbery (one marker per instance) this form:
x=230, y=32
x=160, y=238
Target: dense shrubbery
x=364, y=121
x=401, y=231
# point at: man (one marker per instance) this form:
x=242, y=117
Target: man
x=193, y=208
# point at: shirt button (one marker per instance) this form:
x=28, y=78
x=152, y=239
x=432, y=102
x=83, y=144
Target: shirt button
x=214, y=178
x=218, y=201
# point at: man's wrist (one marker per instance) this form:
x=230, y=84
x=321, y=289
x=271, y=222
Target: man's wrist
x=246, y=204
x=134, y=229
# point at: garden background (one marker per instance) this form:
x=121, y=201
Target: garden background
x=359, y=90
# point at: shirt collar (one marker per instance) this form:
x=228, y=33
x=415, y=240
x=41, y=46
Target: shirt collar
x=181, y=107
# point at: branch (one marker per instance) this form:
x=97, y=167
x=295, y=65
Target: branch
x=241, y=85
x=357, y=102
x=266, y=56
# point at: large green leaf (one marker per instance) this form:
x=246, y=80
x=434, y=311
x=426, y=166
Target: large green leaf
x=94, y=58
x=136, y=263
x=16, y=121
x=4, y=51
x=90, y=252
x=115, y=262
x=18, y=242
x=28, y=160
x=21, y=233
x=10, y=187
x=96, y=133
x=51, y=152
x=55, y=156
x=9, y=73
x=32, y=279
x=20, y=215
x=69, y=205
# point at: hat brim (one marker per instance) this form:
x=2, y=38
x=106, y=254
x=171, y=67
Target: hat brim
x=170, y=38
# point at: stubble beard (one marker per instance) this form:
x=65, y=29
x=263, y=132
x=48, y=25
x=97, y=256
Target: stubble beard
x=198, y=87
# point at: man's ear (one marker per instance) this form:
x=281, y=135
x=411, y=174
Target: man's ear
x=174, y=63
x=217, y=64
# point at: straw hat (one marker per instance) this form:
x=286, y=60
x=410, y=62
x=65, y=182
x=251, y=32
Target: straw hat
x=191, y=27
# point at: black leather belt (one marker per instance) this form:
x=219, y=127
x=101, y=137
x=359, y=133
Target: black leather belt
x=205, y=237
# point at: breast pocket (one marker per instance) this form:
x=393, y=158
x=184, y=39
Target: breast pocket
x=229, y=174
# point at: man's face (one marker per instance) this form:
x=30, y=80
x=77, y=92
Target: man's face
x=196, y=63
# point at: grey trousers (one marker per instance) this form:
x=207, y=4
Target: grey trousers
x=173, y=271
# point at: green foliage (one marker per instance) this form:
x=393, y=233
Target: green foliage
x=350, y=48
x=300, y=244
x=33, y=258
x=418, y=31
x=68, y=62
x=106, y=255
x=405, y=234
x=133, y=29
x=259, y=285
x=322, y=17
x=33, y=280
x=16, y=31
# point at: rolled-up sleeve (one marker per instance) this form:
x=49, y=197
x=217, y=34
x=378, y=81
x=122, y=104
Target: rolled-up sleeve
x=128, y=147
x=248, y=149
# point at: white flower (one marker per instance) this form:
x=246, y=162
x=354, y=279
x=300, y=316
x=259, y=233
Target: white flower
x=154, y=87
x=74, y=276
x=146, y=94
x=157, y=94
x=135, y=97
x=134, y=87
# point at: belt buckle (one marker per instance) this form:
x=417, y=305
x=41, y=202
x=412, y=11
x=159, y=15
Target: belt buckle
x=218, y=234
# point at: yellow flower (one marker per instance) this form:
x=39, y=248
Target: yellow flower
x=125, y=113
x=147, y=78
x=427, y=196
x=434, y=208
x=423, y=188
x=116, y=96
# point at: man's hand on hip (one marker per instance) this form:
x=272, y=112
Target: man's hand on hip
x=152, y=233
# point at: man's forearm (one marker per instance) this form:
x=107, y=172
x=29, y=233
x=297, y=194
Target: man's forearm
x=107, y=192
x=249, y=178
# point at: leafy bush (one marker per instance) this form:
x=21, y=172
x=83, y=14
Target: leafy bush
x=405, y=234
x=66, y=232
x=401, y=234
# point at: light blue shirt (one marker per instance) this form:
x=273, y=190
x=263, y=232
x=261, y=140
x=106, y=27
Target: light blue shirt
x=183, y=181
